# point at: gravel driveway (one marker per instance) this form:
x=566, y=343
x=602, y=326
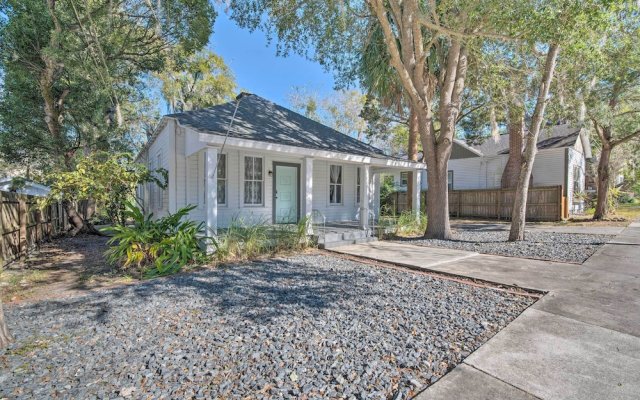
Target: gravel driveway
x=309, y=326
x=562, y=247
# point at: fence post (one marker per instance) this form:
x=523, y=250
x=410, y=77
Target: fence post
x=22, y=220
x=499, y=206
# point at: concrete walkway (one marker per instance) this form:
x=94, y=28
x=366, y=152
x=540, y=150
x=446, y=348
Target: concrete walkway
x=580, y=341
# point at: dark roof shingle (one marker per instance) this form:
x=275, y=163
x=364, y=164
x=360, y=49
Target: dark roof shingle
x=262, y=120
x=552, y=137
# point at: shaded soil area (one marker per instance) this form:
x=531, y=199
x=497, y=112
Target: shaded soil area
x=64, y=267
x=306, y=326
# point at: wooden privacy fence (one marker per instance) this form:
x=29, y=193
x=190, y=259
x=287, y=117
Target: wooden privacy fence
x=24, y=226
x=544, y=203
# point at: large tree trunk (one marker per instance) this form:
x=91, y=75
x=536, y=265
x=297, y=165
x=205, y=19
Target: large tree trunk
x=5, y=336
x=515, y=129
x=519, y=212
x=603, y=182
x=438, y=204
x=412, y=153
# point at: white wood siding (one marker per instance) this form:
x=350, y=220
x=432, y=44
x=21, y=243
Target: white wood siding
x=161, y=149
x=486, y=172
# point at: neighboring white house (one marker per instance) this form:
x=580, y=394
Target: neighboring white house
x=24, y=186
x=274, y=166
x=561, y=160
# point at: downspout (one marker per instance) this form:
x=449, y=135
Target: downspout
x=566, y=181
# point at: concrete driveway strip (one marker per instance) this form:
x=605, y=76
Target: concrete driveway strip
x=456, y=384
x=554, y=357
x=404, y=254
x=580, y=341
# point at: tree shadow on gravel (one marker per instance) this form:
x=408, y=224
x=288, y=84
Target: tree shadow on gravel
x=259, y=291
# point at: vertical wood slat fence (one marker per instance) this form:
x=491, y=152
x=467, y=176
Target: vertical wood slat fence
x=544, y=203
x=24, y=226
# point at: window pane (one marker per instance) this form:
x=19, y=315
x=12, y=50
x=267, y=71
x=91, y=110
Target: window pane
x=358, y=175
x=222, y=191
x=258, y=192
x=335, y=174
x=358, y=193
x=332, y=194
x=247, y=192
x=248, y=168
x=222, y=165
x=257, y=168
x=339, y=194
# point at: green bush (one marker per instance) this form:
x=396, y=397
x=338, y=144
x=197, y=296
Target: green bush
x=408, y=224
x=157, y=247
x=241, y=240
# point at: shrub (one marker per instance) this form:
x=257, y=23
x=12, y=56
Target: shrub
x=408, y=224
x=157, y=247
x=241, y=241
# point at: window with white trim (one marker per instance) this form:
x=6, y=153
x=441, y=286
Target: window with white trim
x=222, y=179
x=404, y=178
x=358, y=185
x=253, y=180
x=335, y=184
x=450, y=180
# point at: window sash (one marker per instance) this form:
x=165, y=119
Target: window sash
x=335, y=184
x=222, y=179
x=404, y=178
x=358, y=185
x=253, y=180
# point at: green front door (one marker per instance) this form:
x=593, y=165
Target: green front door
x=286, y=194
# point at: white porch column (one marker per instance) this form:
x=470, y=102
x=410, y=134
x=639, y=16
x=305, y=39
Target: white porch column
x=211, y=189
x=307, y=201
x=376, y=194
x=415, y=193
x=365, y=188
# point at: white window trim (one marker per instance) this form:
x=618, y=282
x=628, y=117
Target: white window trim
x=262, y=158
x=453, y=179
x=342, y=169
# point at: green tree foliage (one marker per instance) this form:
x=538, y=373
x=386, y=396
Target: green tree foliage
x=200, y=80
x=73, y=68
x=341, y=110
x=108, y=179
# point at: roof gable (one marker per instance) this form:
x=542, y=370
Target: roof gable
x=262, y=120
x=557, y=136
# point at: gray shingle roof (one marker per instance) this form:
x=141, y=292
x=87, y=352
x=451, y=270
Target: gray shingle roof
x=262, y=120
x=551, y=137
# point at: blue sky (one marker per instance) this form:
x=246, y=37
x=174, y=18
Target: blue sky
x=256, y=67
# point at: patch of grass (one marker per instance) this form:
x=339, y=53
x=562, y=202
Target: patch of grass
x=20, y=283
x=30, y=346
x=628, y=211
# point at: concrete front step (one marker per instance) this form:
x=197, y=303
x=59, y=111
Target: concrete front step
x=338, y=243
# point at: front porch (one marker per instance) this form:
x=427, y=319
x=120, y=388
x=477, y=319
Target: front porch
x=281, y=184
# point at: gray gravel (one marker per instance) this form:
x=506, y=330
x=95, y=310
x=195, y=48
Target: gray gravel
x=563, y=247
x=309, y=326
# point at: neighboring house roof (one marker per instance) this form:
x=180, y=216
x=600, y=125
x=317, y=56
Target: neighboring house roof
x=557, y=136
x=28, y=187
x=262, y=120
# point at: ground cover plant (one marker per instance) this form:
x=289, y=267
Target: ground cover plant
x=154, y=247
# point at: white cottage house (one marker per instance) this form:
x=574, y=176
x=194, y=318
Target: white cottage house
x=258, y=161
